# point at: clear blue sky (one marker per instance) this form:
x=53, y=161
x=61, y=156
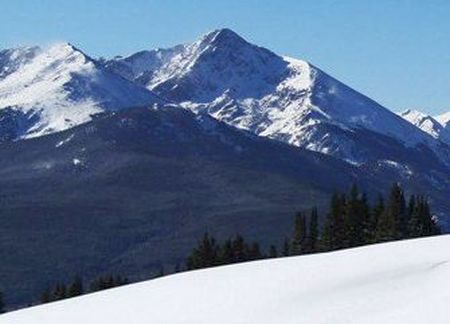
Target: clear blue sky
x=396, y=52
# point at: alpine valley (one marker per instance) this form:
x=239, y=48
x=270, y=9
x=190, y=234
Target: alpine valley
x=120, y=165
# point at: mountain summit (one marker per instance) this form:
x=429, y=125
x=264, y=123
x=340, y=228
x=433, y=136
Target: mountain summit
x=279, y=97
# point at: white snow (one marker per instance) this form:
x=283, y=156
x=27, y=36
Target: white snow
x=64, y=141
x=221, y=74
x=401, y=282
x=428, y=124
x=254, y=89
x=444, y=119
x=76, y=161
x=64, y=88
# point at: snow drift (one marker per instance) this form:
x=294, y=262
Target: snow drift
x=400, y=282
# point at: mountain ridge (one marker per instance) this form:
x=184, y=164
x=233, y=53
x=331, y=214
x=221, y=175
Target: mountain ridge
x=287, y=99
x=61, y=87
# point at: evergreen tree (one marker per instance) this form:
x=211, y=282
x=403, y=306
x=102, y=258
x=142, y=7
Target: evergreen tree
x=273, y=252
x=254, y=252
x=392, y=223
x=313, y=232
x=205, y=255
x=46, y=296
x=366, y=219
x=300, y=234
x=60, y=292
x=375, y=216
x=334, y=236
x=226, y=253
x=354, y=219
x=422, y=223
x=239, y=249
x=76, y=288
x=286, y=248
x=160, y=271
x=2, y=303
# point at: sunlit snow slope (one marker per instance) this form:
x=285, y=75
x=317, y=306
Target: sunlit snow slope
x=283, y=98
x=402, y=282
x=50, y=90
x=428, y=124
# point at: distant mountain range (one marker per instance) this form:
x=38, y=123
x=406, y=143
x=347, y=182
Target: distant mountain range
x=438, y=127
x=119, y=165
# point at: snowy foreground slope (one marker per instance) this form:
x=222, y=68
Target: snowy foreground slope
x=401, y=282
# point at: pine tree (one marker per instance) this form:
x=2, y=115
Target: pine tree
x=375, y=215
x=392, y=223
x=313, y=236
x=273, y=252
x=239, y=249
x=226, y=253
x=160, y=272
x=76, y=288
x=254, y=252
x=402, y=219
x=46, y=296
x=286, y=248
x=205, y=255
x=422, y=222
x=60, y=292
x=354, y=220
x=334, y=236
x=2, y=303
x=300, y=234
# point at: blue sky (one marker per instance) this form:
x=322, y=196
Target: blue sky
x=396, y=52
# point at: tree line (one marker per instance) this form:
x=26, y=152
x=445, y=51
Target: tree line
x=350, y=221
x=77, y=288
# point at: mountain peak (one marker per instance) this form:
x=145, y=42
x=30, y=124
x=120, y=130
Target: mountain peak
x=222, y=36
x=66, y=49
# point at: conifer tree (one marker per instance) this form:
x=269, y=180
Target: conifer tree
x=354, y=220
x=239, y=249
x=273, y=252
x=375, y=216
x=2, y=303
x=205, y=255
x=46, y=296
x=286, y=248
x=300, y=234
x=76, y=288
x=391, y=223
x=226, y=253
x=334, y=236
x=313, y=236
x=60, y=292
x=422, y=222
x=254, y=252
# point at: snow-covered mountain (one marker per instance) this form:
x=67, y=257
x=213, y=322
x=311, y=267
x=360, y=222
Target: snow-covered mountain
x=400, y=282
x=250, y=87
x=428, y=124
x=49, y=90
x=279, y=97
